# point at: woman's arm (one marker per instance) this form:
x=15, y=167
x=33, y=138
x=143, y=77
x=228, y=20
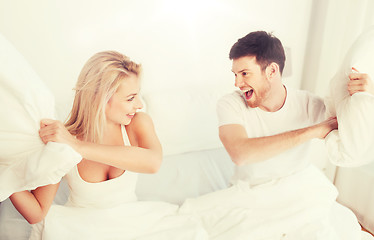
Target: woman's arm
x=34, y=205
x=146, y=157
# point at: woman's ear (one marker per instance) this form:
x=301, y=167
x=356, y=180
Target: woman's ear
x=272, y=70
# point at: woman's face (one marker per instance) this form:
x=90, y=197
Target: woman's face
x=124, y=103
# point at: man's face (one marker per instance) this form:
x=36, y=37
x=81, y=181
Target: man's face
x=251, y=80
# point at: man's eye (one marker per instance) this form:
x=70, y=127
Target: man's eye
x=244, y=73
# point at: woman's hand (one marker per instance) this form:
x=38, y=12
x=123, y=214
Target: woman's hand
x=360, y=82
x=55, y=131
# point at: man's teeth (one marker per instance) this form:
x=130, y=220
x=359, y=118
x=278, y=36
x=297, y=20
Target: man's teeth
x=248, y=93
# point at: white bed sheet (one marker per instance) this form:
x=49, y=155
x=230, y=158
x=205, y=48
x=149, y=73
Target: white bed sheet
x=356, y=191
x=300, y=206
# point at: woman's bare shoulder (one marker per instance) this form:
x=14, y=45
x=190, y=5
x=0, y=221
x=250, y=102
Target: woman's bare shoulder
x=141, y=124
x=141, y=119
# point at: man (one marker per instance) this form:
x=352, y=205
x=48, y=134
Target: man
x=265, y=118
x=266, y=127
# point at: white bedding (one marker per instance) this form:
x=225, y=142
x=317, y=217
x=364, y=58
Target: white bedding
x=140, y=220
x=352, y=145
x=353, y=185
x=25, y=161
x=301, y=206
x=190, y=175
x=187, y=175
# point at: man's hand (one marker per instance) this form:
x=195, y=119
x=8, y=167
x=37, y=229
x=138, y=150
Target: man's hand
x=325, y=127
x=360, y=82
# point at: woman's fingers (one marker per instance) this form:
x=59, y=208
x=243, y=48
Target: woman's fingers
x=47, y=121
x=51, y=130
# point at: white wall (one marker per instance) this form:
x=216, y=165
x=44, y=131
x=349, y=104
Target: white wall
x=179, y=43
x=336, y=25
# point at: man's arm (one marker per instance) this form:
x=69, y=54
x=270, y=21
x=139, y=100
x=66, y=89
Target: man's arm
x=244, y=150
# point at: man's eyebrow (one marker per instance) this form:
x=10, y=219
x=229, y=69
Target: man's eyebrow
x=241, y=70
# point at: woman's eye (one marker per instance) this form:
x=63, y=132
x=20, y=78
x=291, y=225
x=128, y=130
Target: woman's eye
x=130, y=99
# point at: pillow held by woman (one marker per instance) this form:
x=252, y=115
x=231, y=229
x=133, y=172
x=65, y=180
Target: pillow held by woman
x=25, y=161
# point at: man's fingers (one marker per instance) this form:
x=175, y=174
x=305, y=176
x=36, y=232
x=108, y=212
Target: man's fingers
x=358, y=76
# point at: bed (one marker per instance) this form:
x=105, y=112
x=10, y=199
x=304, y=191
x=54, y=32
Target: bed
x=195, y=162
x=190, y=168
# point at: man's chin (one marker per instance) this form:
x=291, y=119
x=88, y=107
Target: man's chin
x=252, y=104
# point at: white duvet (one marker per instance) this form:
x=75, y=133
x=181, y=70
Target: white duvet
x=301, y=206
x=353, y=144
x=25, y=161
x=129, y=221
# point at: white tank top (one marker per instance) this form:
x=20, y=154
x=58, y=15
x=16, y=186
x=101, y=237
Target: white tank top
x=104, y=194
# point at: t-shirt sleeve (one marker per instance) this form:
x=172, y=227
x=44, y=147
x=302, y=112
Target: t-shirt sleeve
x=230, y=109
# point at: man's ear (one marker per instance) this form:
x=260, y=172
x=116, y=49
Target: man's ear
x=272, y=70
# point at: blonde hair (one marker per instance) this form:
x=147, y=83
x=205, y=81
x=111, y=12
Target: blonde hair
x=98, y=81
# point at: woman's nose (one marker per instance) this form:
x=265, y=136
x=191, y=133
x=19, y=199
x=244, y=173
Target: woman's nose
x=139, y=104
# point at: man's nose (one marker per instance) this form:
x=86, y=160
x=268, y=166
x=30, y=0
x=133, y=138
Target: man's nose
x=238, y=81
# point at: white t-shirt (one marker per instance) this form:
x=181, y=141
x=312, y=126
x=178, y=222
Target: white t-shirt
x=301, y=109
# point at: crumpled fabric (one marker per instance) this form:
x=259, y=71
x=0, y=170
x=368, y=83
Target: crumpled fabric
x=352, y=145
x=25, y=161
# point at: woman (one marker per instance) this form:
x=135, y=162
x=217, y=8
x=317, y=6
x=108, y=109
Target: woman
x=116, y=142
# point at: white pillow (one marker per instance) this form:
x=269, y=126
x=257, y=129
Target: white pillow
x=187, y=175
x=185, y=118
x=353, y=144
x=25, y=161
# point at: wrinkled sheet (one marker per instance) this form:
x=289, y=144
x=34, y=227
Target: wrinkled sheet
x=134, y=220
x=25, y=161
x=353, y=144
x=300, y=206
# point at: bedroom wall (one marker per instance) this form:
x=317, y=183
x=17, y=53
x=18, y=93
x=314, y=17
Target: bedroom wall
x=331, y=34
x=180, y=43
